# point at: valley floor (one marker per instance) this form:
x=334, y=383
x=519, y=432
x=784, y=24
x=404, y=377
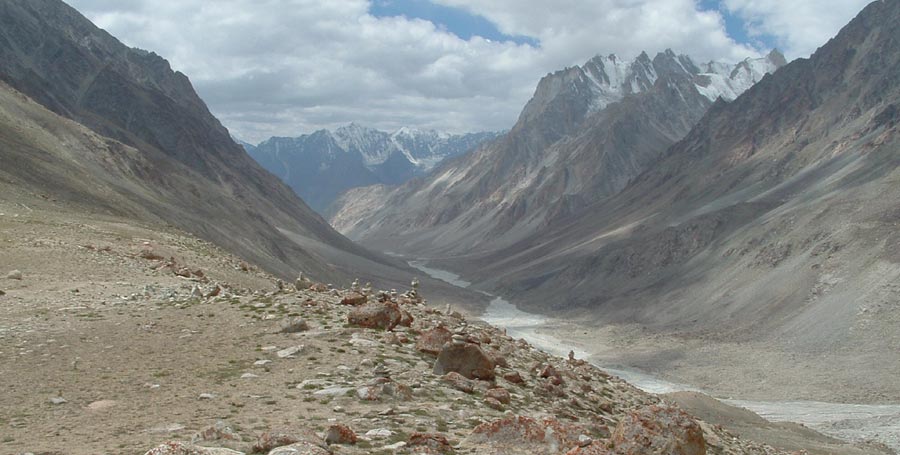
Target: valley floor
x=857, y=399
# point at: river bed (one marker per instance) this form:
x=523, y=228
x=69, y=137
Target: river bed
x=852, y=422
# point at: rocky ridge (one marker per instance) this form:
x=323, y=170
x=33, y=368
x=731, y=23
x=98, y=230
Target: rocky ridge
x=151, y=340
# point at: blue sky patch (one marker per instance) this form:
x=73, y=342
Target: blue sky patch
x=737, y=27
x=455, y=20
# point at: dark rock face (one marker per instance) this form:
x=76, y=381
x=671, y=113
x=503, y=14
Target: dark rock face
x=466, y=359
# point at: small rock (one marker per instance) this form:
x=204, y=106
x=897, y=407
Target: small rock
x=459, y=382
x=101, y=405
x=584, y=440
x=379, y=433
x=249, y=376
x=433, y=443
x=57, y=400
x=14, y=275
x=206, y=396
x=218, y=432
x=340, y=434
x=294, y=325
x=271, y=439
x=180, y=448
x=500, y=394
x=262, y=363
x=354, y=299
x=493, y=403
x=513, y=377
x=288, y=352
x=299, y=448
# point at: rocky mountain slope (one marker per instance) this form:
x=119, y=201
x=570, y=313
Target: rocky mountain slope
x=322, y=165
x=584, y=135
x=766, y=235
x=150, y=148
x=122, y=338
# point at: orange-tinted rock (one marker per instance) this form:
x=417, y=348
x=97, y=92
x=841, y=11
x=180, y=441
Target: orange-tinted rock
x=513, y=377
x=354, y=299
x=340, y=434
x=525, y=435
x=658, y=430
x=434, y=443
x=466, y=359
x=594, y=448
x=459, y=382
x=406, y=319
x=493, y=403
x=433, y=340
x=500, y=394
x=383, y=316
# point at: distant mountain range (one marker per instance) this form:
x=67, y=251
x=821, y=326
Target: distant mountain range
x=322, y=165
x=586, y=132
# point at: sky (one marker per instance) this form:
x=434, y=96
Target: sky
x=289, y=67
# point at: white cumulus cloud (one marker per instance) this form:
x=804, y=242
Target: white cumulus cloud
x=287, y=67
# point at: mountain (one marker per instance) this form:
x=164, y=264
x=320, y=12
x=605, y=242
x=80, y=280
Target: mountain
x=322, y=165
x=766, y=235
x=146, y=147
x=586, y=132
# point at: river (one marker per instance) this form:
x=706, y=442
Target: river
x=852, y=422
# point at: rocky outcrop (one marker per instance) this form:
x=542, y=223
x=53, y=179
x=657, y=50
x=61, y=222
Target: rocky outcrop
x=658, y=430
x=376, y=315
x=432, y=341
x=466, y=359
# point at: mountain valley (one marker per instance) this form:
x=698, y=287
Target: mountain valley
x=724, y=232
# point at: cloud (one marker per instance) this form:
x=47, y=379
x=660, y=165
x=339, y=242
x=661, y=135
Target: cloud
x=287, y=67
x=798, y=26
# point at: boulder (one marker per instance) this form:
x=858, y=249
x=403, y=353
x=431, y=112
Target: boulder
x=658, y=430
x=340, y=434
x=466, y=359
x=354, y=298
x=431, y=443
x=433, y=340
x=459, y=382
x=294, y=325
x=14, y=275
x=383, y=316
x=524, y=435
